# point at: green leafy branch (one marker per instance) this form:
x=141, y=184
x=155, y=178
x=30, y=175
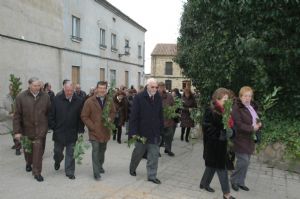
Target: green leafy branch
x=170, y=111
x=269, y=101
x=79, y=149
x=136, y=138
x=16, y=89
x=225, y=119
x=107, y=122
x=16, y=86
x=26, y=144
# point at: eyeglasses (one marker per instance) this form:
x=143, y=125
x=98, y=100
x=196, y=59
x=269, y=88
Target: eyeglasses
x=156, y=87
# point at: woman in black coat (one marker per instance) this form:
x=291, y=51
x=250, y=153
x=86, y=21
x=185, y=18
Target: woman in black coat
x=215, y=144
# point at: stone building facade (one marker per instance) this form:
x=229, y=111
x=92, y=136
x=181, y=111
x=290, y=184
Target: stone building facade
x=164, y=69
x=85, y=41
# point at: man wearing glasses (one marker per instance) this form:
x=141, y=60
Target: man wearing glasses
x=146, y=120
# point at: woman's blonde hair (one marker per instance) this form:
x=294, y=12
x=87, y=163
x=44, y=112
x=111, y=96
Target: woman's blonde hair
x=244, y=90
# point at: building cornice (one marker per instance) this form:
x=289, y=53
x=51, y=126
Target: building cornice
x=68, y=50
x=119, y=13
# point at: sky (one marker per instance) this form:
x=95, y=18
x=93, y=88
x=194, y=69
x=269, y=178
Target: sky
x=161, y=18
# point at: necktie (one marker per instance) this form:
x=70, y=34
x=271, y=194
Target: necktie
x=152, y=98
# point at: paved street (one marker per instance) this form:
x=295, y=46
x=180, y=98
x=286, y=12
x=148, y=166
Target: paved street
x=180, y=176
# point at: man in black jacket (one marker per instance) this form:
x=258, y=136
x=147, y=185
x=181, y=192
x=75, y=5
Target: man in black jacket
x=65, y=121
x=146, y=120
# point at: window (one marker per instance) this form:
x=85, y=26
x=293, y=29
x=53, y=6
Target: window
x=113, y=77
x=76, y=28
x=169, y=68
x=126, y=43
x=76, y=75
x=139, y=79
x=168, y=84
x=102, y=38
x=113, y=42
x=139, y=51
x=186, y=84
x=102, y=74
x=127, y=79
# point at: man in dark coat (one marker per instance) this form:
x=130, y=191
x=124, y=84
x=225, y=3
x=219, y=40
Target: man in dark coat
x=146, y=120
x=65, y=121
x=31, y=120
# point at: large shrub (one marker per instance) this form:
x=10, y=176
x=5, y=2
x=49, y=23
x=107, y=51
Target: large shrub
x=244, y=42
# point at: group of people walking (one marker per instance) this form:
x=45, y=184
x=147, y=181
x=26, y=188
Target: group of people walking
x=67, y=113
x=244, y=122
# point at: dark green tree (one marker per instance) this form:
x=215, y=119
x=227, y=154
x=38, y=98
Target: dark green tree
x=231, y=44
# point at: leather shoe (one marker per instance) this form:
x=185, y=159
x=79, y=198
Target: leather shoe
x=170, y=153
x=39, y=178
x=132, y=173
x=97, y=177
x=18, y=152
x=71, y=177
x=243, y=187
x=230, y=197
x=235, y=187
x=208, y=188
x=102, y=170
x=155, y=181
x=56, y=166
x=28, y=168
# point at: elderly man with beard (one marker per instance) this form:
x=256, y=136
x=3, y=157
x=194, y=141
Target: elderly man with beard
x=65, y=121
x=146, y=120
x=31, y=120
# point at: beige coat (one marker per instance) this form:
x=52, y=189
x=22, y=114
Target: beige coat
x=91, y=115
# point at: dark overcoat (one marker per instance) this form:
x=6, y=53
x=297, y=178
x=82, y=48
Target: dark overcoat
x=186, y=120
x=146, y=117
x=65, y=120
x=215, y=149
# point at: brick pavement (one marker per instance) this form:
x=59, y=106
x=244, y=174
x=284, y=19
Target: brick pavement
x=180, y=176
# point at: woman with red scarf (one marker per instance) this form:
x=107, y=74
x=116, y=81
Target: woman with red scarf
x=215, y=143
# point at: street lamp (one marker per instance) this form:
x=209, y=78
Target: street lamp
x=127, y=48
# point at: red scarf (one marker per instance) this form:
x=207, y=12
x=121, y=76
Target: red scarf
x=220, y=108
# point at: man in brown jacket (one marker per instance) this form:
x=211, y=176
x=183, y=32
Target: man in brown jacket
x=31, y=120
x=99, y=135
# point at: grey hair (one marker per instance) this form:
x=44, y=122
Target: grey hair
x=33, y=79
x=151, y=80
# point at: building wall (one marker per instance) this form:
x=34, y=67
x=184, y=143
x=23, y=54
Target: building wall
x=35, y=40
x=158, y=63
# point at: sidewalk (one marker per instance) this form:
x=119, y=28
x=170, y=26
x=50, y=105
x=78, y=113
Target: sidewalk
x=180, y=176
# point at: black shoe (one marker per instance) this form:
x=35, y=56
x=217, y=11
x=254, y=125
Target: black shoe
x=119, y=141
x=155, y=181
x=102, y=170
x=97, y=177
x=39, y=178
x=208, y=188
x=18, y=152
x=243, y=187
x=56, y=166
x=28, y=168
x=230, y=197
x=13, y=147
x=159, y=155
x=235, y=187
x=71, y=177
x=170, y=153
x=132, y=173
x=187, y=140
